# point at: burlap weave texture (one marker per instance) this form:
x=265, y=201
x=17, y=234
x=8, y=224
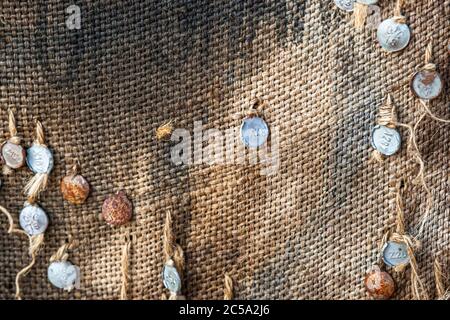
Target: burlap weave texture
x=310, y=231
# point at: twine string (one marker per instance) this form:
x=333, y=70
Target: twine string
x=35, y=243
x=228, y=291
x=13, y=137
x=360, y=14
x=398, y=16
x=61, y=254
x=418, y=288
x=173, y=253
x=125, y=268
x=440, y=289
x=40, y=137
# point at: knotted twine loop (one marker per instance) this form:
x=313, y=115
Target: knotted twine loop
x=398, y=17
x=420, y=177
x=441, y=293
x=13, y=138
x=386, y=117
x=173, y=254
x=429, y=65
x=124, y=268
x=35, y=243
x=228, y=290
x=39, y=181
x=61, y=254
x=424, y=110
x=418, y=288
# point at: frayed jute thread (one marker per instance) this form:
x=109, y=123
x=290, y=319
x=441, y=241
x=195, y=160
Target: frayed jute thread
x=441, y=293
x=387, y=117
x=61, y=254
x=360, y=12
x=164, y=131
x=173, y=254
x=418, y=289
x=424, y=111
x=13, y=138
x=228, y=290
x=420, y=177
x=125, y=268
x=39, y=181
x=35, y=243
x=398, y=16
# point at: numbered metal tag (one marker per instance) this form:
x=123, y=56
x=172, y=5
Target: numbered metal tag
x=39, y=159
x=33, y=220
x=346, y=5
x=64, y=275
x=171, y=278
x=385, y=140
x=426, y=85
x=254, y=132
x=395, y=254
x=393, y=36
x=13, y=155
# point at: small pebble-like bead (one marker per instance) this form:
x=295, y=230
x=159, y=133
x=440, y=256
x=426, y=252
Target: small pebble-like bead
x=117, y=209
x=75, y=189
x=379, y=284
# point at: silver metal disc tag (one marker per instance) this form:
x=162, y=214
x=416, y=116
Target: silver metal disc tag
x=395, y=254
x=393, y=36
x=171, y=278
x=385, y=140
x=64, y=275
x=427, y=85
x=254, y=132
x=346, y=5
x=33, y=220
x=39, y=159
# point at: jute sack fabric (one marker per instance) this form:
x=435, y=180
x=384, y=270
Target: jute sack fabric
x=308, y=231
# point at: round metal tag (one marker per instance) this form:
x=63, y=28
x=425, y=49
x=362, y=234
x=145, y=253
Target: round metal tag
x=426, y=85
x=33, y=219
x=64, y=275
x=346, y=5
x=385, y=140
x=395, y=254
x=254, y=132
x=13, y=155
x=171, y=278
x=367, y=2
x=39, y=159
x=393, y=36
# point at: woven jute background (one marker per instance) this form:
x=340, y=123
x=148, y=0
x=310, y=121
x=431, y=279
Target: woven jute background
x=309, y=231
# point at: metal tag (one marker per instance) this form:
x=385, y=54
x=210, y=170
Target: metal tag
x=13, y=155
x=346, y=5
x=39, y=159
x=64, y=275
x=393, y=36
x=395, y=254
x=33, y=219
x=367, y=2
x=171, y=278
x=426, y=85
x=254, y=132
x=385, y=140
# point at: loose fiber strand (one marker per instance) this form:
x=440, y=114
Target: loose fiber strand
x=125, y=270
x=228, y=291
